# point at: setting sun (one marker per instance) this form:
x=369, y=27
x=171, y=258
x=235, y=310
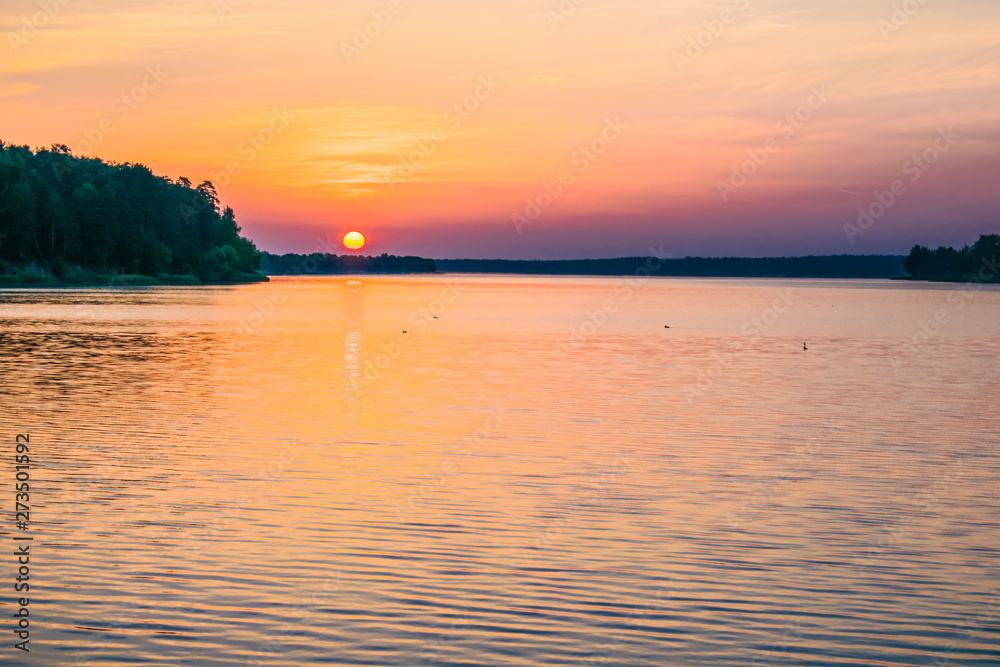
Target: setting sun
x=354, y=240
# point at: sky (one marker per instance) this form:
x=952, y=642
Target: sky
x=535, y=129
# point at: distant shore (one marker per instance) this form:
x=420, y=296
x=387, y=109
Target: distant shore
x=970, y=278
x=818, y=266
x=846, y=267
x=321, y=264
x=826, y=266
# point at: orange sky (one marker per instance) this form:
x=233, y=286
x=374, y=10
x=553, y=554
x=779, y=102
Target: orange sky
x=308, y=130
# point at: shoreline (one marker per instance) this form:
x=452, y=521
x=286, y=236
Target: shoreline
x=951, y=280
x=8, y=281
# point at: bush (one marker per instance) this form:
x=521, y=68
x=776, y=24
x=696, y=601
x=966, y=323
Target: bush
x=178, y=279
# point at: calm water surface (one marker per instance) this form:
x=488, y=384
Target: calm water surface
x=542, y=474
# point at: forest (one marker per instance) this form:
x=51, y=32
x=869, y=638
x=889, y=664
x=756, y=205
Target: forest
x=826, y=266
x=80, y=220
x=322, y=263
x=975, y=262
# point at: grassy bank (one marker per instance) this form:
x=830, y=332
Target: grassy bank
x=34, y=275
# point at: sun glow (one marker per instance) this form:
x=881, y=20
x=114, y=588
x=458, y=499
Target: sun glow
x=354, y=240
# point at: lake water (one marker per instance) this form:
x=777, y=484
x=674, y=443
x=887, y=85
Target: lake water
x=537, y=473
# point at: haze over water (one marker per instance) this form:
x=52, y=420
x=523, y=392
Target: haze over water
x=315, y=487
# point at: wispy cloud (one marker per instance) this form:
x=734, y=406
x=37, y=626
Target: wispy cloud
x=354, y=120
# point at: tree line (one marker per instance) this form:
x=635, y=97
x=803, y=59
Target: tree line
x=322, y=263
x=976, y=261
x=79, y=216
x=825, y=266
